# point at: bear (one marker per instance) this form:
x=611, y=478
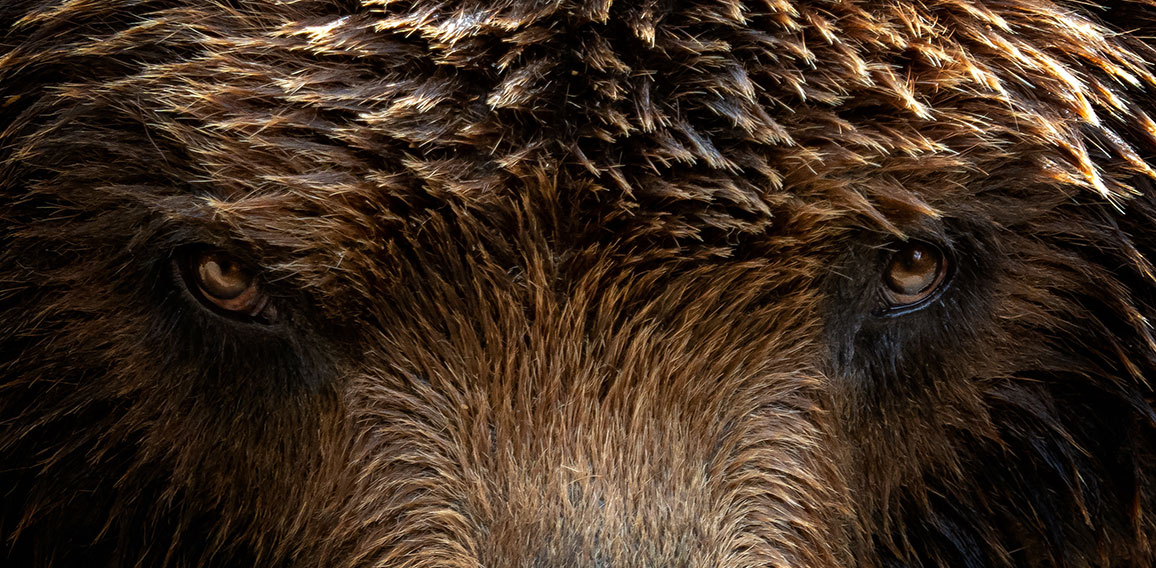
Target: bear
x=577, y=283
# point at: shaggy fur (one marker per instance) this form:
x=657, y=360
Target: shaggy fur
x=570, y=283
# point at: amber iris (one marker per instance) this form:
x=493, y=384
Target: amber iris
x=914, y=272
x=226, y=283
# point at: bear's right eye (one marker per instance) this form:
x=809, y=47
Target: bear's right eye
x=914, y=273
x=224, y=283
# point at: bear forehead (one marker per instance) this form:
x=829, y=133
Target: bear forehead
x=670, y=122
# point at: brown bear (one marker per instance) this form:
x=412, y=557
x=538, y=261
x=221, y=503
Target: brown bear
x=577, y=283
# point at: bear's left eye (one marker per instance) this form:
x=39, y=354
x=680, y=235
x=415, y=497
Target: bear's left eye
x=223, y=282
x=914, y=272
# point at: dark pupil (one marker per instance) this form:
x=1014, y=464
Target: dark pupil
x=221, y=277
x=913, y=269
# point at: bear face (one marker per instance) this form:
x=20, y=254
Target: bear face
x=799, y=283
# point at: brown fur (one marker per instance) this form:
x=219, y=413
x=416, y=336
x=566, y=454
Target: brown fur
x=577, y=283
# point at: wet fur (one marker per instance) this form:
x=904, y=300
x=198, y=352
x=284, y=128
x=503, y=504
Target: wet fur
x=577, y=283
